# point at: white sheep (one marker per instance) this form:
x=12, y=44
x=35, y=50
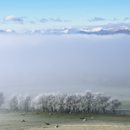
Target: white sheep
x=84, y=119
x=56, y=126
x=22, y=120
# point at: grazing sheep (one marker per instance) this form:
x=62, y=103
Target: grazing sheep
x=47, y=124
x=84, y=119
x=50, y=113
x=56, y=126
x=22, y=120
x=92, y=117
x=36, y=112
x=24, y=113
x=81, y=118
x=70, y=112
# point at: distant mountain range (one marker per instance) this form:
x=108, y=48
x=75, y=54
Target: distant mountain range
x=95, y=31
x=7, y=31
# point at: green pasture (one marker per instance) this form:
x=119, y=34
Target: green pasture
x=125, y=105
x=12, y=121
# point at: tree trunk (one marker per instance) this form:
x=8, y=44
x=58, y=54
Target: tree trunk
x=73, y=109
x=103, y=109
x=88, y=110
x=51, y=109
x=77, y=110
x=113, y=111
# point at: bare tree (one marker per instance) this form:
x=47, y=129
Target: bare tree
x=26, y=103
x=20, y=100
x=69, y=102
x=100, y=102
x=13, y=103
x=86, y=100
x=114, y=104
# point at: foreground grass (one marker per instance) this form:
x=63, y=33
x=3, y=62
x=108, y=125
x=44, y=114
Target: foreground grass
x=86, y=128
x=12, y=121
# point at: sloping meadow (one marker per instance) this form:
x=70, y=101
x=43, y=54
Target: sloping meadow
x=12, y=121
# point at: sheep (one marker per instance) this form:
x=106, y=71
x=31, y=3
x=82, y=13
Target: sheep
x=81, y=118
x=24, y=113
x=92, y=117
x=84, y=119
x=70, y=112
x=56, y=126
x=47, y=124
x=50, y=114
x=36, y=112
x=22, y=120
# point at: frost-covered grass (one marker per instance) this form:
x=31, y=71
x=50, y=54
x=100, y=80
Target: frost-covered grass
x=12, y=121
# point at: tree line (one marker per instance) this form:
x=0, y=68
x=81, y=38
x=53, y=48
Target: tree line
x=58, y=102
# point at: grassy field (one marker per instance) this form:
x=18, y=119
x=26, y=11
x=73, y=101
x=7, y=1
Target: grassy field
x=125, y=105
x=12, y=121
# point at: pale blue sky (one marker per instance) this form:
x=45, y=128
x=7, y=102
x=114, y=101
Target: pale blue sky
x=70, y=12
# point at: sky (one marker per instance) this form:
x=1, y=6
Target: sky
x=23, y=16
x=67, y=46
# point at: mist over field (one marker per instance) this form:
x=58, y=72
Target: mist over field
x=36, y=64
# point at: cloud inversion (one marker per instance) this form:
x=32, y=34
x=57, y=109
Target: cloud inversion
x=48, y=63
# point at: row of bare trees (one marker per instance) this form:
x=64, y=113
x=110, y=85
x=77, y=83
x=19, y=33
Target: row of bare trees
x=86, y=101
x=19, y=102
x=57, y=102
